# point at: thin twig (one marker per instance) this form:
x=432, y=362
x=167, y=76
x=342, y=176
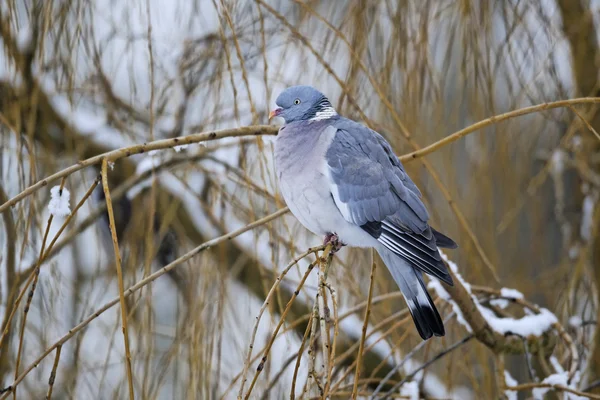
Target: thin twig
x=533, y=385
x=585, y=121
x=36, y=276
x=124, y=314
x=364, y=330
x=53, y=373
x=312, y=352
x=297, y=367
x=494, y=120
x=336, y=325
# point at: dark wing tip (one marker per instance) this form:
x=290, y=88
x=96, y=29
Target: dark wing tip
x=448, y=281
x=427, y=319
x=443, y=241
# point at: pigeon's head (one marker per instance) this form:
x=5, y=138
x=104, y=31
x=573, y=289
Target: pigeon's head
x=302, y=103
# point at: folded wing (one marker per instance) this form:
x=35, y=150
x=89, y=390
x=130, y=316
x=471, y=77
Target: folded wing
x=372, y=190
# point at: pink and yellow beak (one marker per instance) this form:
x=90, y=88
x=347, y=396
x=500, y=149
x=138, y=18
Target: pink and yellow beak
x=275, y=113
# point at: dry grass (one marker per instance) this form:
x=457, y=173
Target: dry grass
x=172, y=283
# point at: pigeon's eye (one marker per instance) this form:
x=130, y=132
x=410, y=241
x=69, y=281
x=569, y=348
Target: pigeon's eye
x=297, y=101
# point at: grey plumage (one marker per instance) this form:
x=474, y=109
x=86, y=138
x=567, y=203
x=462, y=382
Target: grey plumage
x=340, y=177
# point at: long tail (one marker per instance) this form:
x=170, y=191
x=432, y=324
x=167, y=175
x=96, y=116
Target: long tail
x=410, y=281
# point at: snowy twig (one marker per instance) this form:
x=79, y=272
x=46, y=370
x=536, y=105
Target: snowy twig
x=562, y=333
x=36, y=276
x=469, y=310
x=59, y=201
x=30, y=272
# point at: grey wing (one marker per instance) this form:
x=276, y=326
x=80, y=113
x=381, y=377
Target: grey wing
x=372, y=190
x=370, y=182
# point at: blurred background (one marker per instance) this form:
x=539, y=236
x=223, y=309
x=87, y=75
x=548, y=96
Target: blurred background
x=80, y=78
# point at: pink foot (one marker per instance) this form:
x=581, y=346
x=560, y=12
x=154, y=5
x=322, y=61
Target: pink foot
x=334, y=240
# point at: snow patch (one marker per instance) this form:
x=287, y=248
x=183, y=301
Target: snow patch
x=575, y=321
x=561, y=379
x=558, y=161
x=24, y=39
x=532, y=324
x=510, y=382
x=500, y=303
x=59, y=202
x=507, y=294
x=511, y=293
x=574, y=252
x=148, y=163
x=587, y=218
x=528, y=325
x=180, y=147
x=410, y=390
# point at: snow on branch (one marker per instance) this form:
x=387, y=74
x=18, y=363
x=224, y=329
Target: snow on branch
x=501, y=334
x=59, y=202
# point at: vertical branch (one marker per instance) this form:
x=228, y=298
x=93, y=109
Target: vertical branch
x=321, y=302
x=113, y=233
x=298, y=359
x=364, y=331
x=312, y=351
x=12, y=284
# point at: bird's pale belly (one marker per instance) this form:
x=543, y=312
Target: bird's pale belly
x=312, y=204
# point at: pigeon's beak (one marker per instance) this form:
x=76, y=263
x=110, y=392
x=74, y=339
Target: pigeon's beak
x=275, y=113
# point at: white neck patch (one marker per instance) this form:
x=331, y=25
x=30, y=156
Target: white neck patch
x=325, y=113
